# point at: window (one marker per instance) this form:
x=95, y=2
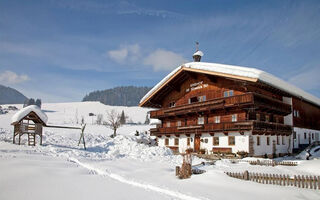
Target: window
x=179, y=123
x=188, y=141
x=166, y=141
x=176, y=141
x=228, y=93
x=258, y=117
x=197, y=99
x=200, y=120
x=234, y=118
x=305, y=136
x=217, y=119
x=267, y=118
x=283, y=140
x=296, y=113
x=193, y=100
x=277, y=119
x=231, y=140
x=206, y=140
x=172, y=104
x=294, y=135
x=313, y=136
x=278, y=141
x=216, y=141
x=268, y=141
x=258, y=140
x=168, y=124
x=202, y=98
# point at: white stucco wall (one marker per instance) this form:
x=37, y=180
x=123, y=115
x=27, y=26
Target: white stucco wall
x=288, y=119
x=263, y=148
x=241, y=141
x=300, y=139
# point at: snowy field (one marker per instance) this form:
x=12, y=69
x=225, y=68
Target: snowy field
x=122, y=167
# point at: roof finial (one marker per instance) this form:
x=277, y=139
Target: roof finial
x=198, y=54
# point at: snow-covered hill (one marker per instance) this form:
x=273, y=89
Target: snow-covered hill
x=124, y=167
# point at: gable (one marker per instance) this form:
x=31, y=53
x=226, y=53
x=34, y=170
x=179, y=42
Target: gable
x=167, y=84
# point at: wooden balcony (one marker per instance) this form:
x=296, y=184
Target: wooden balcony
x=257, y=127
x=248, y=100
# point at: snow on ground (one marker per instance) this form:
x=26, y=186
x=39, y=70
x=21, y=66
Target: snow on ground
x=124, y=167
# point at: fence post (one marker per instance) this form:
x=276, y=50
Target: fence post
x=318, y=182
x=246, y=175
x=314, y=182
x=302, y=181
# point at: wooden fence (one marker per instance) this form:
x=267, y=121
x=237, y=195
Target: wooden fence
x=311, y=182
x=267, y=162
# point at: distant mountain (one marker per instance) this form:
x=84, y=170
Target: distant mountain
x=10, y=96
x=118, y=96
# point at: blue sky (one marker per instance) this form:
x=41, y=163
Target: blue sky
x=60, y=50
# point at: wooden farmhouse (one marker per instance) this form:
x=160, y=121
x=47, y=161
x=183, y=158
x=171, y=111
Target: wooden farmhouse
x=216, y=108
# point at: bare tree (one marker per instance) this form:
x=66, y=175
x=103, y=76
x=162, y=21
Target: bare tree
x=99, y=119
x=113, y=121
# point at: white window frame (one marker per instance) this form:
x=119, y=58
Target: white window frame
x=179, y=123
x=168, y=124
x=217, y=119
x=200, y=120
x=234, y=118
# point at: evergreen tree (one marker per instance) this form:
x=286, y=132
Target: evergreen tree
x=26, y=103
x=38, y=103
x=122, y=118
x=31, y=102
x=147, y=119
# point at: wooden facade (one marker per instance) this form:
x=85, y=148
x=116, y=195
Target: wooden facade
x=203, y=109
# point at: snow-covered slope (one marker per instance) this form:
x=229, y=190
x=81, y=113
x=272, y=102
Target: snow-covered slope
x=124, y=167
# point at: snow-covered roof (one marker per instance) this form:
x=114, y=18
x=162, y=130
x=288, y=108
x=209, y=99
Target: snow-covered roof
x=198, y=53
x=251, y=74
x=25, y=111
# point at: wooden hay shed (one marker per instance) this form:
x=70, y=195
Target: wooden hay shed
x=29, y=120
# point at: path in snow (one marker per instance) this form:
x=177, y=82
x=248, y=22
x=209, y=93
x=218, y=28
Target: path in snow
x=134, y=183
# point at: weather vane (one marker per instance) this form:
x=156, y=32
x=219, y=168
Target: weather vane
x=197, y=46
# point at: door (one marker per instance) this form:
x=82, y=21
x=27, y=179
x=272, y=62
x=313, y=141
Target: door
x=197, y=143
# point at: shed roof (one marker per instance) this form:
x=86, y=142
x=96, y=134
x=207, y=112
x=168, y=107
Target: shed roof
x=26, y=111
x=243, y=73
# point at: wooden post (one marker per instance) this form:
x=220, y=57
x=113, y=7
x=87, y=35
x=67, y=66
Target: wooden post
x=82, y=137
x=246, y=175
x=177, y=170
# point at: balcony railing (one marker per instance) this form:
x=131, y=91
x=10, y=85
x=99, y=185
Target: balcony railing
x=223, y=127
x=250, y=99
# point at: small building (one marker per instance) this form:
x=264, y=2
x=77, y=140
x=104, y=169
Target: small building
x=29, y=120
x=217, y=108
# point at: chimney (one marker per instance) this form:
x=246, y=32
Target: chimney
x=198, y=54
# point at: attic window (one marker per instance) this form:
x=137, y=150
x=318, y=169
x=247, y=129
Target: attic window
x=193, y=100
x=172, y=104
x=228, y=93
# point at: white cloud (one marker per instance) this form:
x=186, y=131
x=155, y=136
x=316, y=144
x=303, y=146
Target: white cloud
x=164, y=60
x=125, y=53
x=307, y=80
x=9, y=77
